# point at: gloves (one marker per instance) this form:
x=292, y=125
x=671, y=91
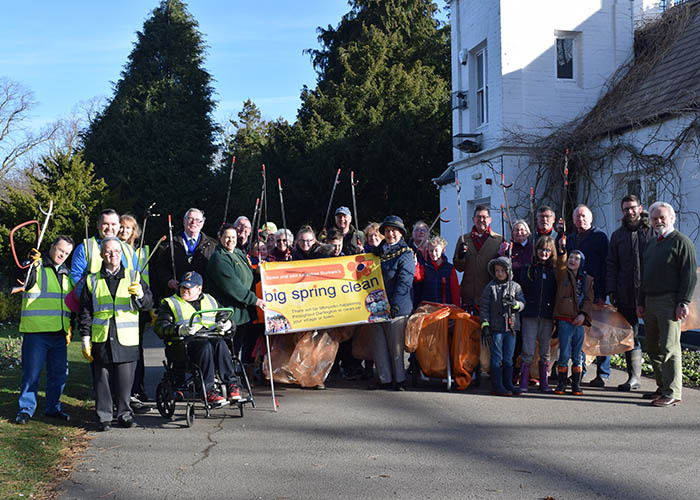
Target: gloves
x=486, y=337
x=223, y=326
x=154, y=316
x=69, y=335
x=34, y=255
x=462, y=252
x=511, y=303
x=136, y=290
x=186, y=330
x=87, y=348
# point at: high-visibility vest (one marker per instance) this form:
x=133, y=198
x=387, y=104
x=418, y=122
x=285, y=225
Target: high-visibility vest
x=104, y=307
x=94, y=258
x=43, y=305
x=183, y=310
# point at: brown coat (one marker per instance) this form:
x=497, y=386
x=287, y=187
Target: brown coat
x=474, y=265
x=566, y=302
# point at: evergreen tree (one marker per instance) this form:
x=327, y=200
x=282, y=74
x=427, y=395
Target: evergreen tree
x=64, y=178
x=380, y=108
x=155, y=139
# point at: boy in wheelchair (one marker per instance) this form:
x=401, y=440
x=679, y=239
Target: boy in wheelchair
x=212, y=355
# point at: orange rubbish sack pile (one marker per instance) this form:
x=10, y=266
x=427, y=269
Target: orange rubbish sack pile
x=433, y=329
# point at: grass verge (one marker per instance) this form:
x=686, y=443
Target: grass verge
x=34, y=457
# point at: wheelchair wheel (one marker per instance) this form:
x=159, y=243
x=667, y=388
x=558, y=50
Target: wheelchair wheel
x=189, y=414
x=165, y=399
x=198, y=379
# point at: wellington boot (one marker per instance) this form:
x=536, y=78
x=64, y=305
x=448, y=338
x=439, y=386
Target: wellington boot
x=497, y=388
x=562, y=372
x=525, y=376
x=508, y=380
x=576, y=374
x=544, y=371
x=634, y=370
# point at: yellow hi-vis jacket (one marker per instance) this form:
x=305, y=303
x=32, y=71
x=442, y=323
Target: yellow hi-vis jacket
x=43, y=305
x=104, y=307
x=183, y=310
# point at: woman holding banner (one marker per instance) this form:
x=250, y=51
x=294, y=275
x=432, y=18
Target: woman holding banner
x=230, y=282
x=398, y=269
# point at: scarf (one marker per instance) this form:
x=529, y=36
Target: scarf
x=479, y=238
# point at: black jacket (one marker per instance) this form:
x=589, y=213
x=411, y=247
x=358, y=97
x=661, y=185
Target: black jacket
x=539, y=285
x=197, y=261
x=625, y=264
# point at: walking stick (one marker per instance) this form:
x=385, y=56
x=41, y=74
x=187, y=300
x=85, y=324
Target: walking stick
x=330, y=202
x=172, y=246
x=284, y=218
x=228, y=193
x=354, y=203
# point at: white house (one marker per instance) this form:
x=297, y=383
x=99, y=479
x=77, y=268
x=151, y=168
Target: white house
x=526, y=68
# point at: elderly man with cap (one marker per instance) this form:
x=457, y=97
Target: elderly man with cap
x=45, y=323
x=108, y=320
x=212, y=355
x=398, y=269
x=669, y=277
x=353, y=240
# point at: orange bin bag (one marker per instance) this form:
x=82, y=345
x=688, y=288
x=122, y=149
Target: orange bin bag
x=692, y=322
x=313, y=357
x=425, y=314
x=465, y=348
x=362, y=343
x=610, y=333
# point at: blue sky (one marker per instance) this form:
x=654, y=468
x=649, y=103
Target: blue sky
x=68, y=52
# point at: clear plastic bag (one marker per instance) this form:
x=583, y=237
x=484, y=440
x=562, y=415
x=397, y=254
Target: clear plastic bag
x=610, y=333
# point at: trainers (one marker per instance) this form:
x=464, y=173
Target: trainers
x=234, y=393
x=22, y=418
x=138, y=406
x=215, y=400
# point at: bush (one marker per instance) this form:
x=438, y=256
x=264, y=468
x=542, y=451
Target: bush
x=10, y=306
x=691, y=366
x=10, y=353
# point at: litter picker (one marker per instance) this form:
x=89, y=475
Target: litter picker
x=264, y=196
x=228, y=193
x=330, y=202
x=438, y=218
x=459, y=209
x=533, y=217
x=354, y=202
x=172, y=245
x=284, y=218
x=564, y=190
x=48, y=214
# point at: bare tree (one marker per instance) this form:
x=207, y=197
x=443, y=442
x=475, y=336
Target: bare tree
x=16, y=138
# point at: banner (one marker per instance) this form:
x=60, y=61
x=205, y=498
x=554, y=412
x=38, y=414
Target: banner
x=323, y=293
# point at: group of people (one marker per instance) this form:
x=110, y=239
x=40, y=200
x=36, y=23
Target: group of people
x=524, y=290
x=543, y=284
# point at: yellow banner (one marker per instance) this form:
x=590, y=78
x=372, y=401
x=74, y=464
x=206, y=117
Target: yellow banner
x=323, y=293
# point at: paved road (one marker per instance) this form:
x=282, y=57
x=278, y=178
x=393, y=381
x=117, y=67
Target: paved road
x=347, y=442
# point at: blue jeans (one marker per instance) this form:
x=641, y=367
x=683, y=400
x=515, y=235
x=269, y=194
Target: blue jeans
x=37, y=349
x=502, y=349
x=570, y=343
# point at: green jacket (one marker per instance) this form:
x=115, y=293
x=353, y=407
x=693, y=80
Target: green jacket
x=670, y=267
x=229, y=281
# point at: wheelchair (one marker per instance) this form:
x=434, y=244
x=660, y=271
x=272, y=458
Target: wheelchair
x=183, y=381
